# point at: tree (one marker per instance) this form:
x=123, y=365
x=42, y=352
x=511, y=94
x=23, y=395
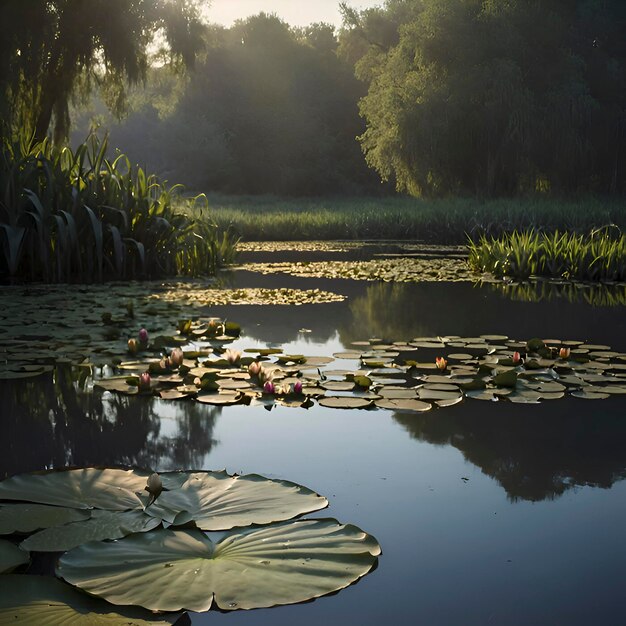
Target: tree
x=51, y=50
x=493, y=97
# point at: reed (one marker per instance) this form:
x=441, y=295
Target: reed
x=597, y=256
x=77, y=216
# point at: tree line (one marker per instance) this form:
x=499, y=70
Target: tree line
x=434, y=97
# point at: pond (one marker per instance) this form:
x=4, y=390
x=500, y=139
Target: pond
x=487, y=512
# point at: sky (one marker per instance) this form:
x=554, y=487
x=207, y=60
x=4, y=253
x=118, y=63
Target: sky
x=294, y=12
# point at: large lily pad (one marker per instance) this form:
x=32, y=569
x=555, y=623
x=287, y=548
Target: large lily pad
x=34, y=600
x=218, y=501
x=26, y=518
x=169, y=570
x=110, y=489
x=101, y=525
x=11, y=557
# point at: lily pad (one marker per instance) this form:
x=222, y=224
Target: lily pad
x=169, y=570
x=219, y=501
x=341, y=402
x=109, y=489
x=403, y=405
x=11, y=557
x=101, y=525
x=26, y=518
x=33, y=600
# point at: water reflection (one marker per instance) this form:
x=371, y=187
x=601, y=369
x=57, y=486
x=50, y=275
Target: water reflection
x=548, y=291
x=534, y=452
x=54, y=420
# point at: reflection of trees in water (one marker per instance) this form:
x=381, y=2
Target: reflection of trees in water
x=51, y=421
x=388, y=311
x=535, y=452
x=600, y=295
x=193, y=439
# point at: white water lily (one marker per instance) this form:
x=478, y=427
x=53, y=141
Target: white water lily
x=232, y=356
x=155, y=484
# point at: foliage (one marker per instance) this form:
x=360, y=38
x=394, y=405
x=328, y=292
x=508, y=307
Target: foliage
x=493, y=98
x=599, y=256
x=440, y=221
x=52, y=49
x=269, y=109
x=78, y=216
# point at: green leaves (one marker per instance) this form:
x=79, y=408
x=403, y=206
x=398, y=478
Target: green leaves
x=245, y=569
x=218, y=501
x=26, y=600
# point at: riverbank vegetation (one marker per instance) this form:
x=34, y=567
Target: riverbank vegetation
x=74, y=215
x=446, y=221
x=599, y=256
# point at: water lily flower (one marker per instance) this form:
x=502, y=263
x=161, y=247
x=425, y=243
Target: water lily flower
x=143, y=336
x=268, y=387
x=132, y=346
x=441, y=363
x=177, y=357
x=254, y=368
x=144, y=382
x=232, y=356
x=517, y=358
x=297, y=387
x=564, y=353
x=265, y=375
x=155, y=485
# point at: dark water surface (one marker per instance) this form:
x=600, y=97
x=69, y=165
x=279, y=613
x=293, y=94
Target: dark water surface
x=487, y=513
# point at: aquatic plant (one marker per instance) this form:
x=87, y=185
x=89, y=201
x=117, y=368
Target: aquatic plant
x=260, y=558
x=75, y=215
x=598, y=256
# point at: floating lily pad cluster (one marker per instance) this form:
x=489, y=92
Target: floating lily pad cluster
x=394, y=269
x=418, y=375
x=42, y=326
x=168, y=555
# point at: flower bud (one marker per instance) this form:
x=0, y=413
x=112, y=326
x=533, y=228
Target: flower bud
x=254, y=368
x=143, y=336
x=564, y=353
x=441, y=363
x=144, y=382
x=297, y=387
x=132, y=346
x=268, y=387
x=176, y=357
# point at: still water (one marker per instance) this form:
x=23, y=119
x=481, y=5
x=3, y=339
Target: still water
x=487, y=513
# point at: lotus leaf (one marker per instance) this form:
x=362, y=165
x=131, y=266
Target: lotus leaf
x=34, y=600
x=168, y=570
x=218, y=501
x=11, y=557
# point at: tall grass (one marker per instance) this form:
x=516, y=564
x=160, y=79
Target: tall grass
x=598, y=256
x=78, y=216
x=438, y=221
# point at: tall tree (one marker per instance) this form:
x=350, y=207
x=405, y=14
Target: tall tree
x=493, y=97
x=52, y=49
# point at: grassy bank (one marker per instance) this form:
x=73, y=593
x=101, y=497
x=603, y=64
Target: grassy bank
x=437, y=221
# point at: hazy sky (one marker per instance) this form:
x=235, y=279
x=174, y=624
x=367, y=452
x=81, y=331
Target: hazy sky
x=294, y=12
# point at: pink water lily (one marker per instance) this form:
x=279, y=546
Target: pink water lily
x=254, y=368
x=268, y=387
x=517, y=358
x=232, y=356
x=177, y=357
x=564, y=353
x=143, y=336
x=441, y=363
x=265, y=375
x=144, y=382
x=297, y=387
